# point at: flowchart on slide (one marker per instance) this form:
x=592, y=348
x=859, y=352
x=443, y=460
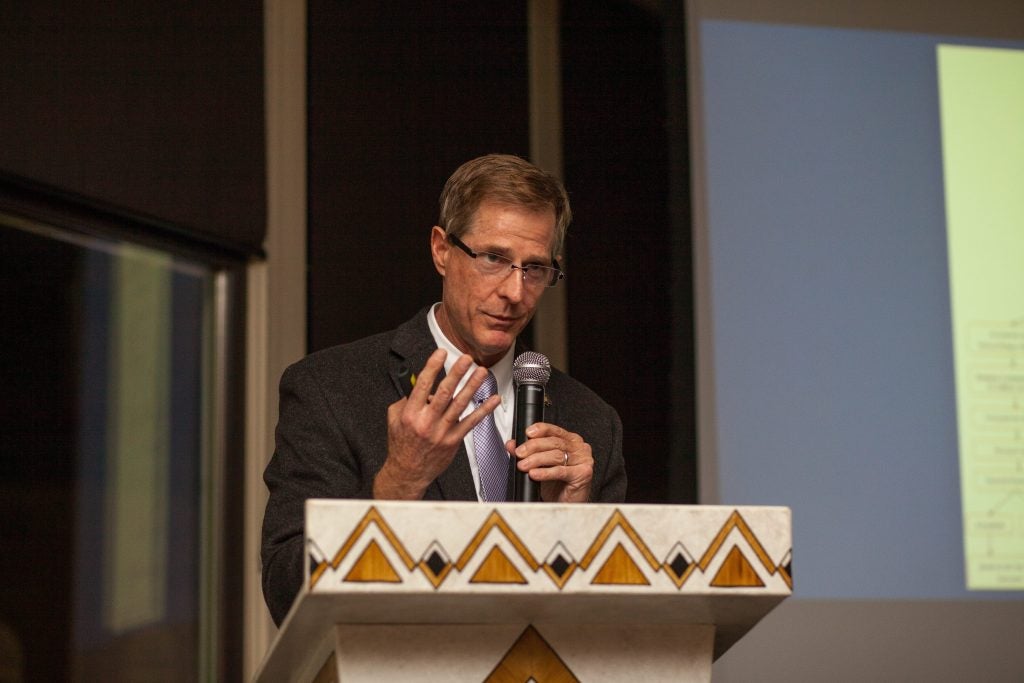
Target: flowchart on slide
x=993, y=454
x=982, y=111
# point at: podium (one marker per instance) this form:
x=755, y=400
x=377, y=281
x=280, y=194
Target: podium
x=425, y=591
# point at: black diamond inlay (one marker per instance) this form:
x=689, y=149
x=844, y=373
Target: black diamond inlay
x=313, y=564
x=679, y=564
x=559, y=566
x=436, y=563
x=789, y=569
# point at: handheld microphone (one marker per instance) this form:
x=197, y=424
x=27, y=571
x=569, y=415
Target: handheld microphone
x=530, y=373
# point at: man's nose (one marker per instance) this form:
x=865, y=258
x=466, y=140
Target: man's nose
x=514, y=285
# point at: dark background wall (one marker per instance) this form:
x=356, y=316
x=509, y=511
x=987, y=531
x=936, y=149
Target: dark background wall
x=38, y=359
x=147, y=118
x=619, y=250
x=400, y=94
x=154, y=108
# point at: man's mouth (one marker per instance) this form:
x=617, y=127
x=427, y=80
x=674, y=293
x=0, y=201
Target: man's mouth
x=503, y=320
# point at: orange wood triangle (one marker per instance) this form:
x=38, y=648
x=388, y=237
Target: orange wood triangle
x=496, y=568
x=531, y=659
x=620, y=569
x=373, y=566
x=736, y=572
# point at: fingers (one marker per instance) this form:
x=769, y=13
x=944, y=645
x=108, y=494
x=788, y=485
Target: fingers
x=426, y=421
x=551, y=446
x=445, y=391
x=425, y=380
x=457, y=402
x=559, y=460
x=424, y=430
x=445, y=403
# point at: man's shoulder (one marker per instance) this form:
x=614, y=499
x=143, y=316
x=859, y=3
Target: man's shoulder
x=366, y=354
x=570, y=392
x=350, y=356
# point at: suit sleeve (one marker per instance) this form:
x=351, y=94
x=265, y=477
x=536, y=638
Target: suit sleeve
x=609, y=482
x=312, y=459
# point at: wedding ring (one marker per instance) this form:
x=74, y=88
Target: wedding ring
x=565, y=458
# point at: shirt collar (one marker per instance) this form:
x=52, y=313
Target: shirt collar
x=502, y=370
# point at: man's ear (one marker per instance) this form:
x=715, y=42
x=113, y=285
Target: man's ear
x=440, y=247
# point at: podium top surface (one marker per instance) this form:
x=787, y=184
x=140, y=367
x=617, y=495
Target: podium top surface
x=458, y=562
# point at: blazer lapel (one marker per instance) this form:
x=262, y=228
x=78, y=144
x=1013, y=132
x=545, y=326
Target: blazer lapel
x=410, y=349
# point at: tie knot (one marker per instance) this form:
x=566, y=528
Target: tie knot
x=487, y=389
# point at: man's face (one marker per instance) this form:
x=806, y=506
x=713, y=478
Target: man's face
x=482, y=316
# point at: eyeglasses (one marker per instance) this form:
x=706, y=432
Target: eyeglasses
x=496, y=266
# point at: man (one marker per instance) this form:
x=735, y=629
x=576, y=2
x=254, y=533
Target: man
x=393, y=416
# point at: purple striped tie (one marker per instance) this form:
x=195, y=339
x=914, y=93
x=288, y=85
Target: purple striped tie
x=491, y=456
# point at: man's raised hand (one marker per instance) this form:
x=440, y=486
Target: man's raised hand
x=424, y=430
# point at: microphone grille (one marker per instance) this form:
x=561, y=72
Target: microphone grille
x=531, y=368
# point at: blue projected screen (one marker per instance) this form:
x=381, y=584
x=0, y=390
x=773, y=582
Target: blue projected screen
x=833, y=365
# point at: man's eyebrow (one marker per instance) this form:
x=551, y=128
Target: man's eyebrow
x=504, y=251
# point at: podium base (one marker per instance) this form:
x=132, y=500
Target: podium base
x=509, y=652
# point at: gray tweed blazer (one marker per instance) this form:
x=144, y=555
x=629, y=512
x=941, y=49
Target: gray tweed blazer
x=331, y=440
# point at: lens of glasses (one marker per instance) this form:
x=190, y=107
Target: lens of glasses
x=541, y=276
x=495, y=265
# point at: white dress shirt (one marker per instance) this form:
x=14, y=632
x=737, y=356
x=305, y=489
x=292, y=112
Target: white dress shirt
x=502, y=370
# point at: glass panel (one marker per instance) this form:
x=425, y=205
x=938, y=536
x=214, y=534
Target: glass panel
x=105, y=496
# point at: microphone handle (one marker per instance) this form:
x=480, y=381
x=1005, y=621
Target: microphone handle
x=529, y=409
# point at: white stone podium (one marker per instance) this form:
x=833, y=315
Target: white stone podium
x=430, y=591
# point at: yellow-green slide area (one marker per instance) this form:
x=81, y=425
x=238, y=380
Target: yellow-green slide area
x=982, y=104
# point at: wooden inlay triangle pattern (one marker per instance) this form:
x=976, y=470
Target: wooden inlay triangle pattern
x=736, y=572
x=618, y=521
x=372, y=566
x=622, y=566
x=371, y=518
x=531, y=659
x=495, y=521
x=497, y=568
x=620, y=569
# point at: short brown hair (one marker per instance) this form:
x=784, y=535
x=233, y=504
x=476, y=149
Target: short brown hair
x=505, y=179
